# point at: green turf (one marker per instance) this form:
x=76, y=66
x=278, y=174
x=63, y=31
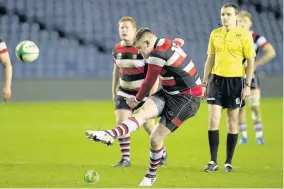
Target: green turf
x=43, y=145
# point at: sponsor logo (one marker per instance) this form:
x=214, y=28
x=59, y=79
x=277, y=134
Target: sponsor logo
x=171, y=113
x=238, y=101
x=210, y=98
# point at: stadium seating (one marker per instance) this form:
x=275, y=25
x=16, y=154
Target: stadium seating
x=96, y=21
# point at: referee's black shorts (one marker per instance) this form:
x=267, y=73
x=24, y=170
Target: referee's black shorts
x=225, y=91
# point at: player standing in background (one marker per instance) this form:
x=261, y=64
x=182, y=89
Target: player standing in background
x=228, y=46
x=6, y=63
x=177, y=101
x=245, y=21
x=128, y=74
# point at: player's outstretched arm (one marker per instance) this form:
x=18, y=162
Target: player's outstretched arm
x=6, y=62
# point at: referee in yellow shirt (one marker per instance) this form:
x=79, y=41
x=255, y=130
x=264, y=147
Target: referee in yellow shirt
x=228, y=48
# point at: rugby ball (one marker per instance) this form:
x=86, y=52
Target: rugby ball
x=27, y=51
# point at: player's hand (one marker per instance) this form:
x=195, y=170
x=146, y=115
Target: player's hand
x=245, y=92
x=6, y=94
x=131, y=102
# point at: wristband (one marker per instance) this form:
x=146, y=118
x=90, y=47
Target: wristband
x=247, y=85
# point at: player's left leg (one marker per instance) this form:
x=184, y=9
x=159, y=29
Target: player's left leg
x=254, y=103
x=157, y=138
x=149, y=127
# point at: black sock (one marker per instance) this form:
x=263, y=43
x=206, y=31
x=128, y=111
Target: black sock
x=231, y=145
x=213, y=137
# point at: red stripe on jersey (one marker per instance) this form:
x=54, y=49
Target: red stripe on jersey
x=164, y=47
x=194, y=91
x=170, y=82
x=264, y=44
x=254, y=35
x=121, y=49
x=131, y=71
x=177, y=122
x=4, y=50
x=178, y=61
x=192, y=71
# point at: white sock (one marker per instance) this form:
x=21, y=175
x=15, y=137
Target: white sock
x=258, y=130
x=126, y=127
x=124, y=144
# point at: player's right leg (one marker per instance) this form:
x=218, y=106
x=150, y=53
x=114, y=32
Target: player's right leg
x=234, y=103
x=243, y=125
x=149, y=110
x=215, y=112
x=215, y=98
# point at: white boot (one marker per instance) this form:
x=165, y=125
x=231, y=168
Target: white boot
x=100, y=136
x=148, y=181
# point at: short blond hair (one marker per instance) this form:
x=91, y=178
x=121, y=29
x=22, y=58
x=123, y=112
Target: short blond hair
x=128, y=19
x=245, y=14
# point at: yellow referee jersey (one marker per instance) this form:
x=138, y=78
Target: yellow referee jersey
x=230, y=48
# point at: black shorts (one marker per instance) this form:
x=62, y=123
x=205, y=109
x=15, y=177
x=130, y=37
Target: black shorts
x=120, y=103
x=177, y=108
x=225, y=91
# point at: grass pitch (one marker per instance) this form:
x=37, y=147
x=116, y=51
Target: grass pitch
x=43, y=145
